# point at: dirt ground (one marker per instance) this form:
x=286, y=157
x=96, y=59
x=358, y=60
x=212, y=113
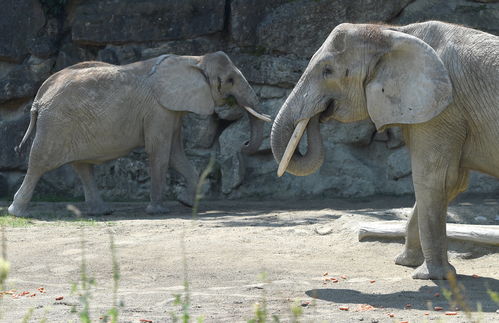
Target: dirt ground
x=242, y=252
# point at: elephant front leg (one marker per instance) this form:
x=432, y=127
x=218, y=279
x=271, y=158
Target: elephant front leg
x=412, y=255
x=432, y=200
x=183, y=165
x=158, y=170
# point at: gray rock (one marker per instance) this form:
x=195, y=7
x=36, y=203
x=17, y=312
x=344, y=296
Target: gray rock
x=11, y=134
x=245, y=17
x=482, y=183
x=108, y=21
x=120, y=55
x=483, y=16
x=281, y=71
x=381, y=136
x=199, y=131
x=58, y=185
x=399, y=163
x=45, y=44
x=70, y=54
x=197, y=46
x=270, y=92
x=125, y=178
x=359, y=133
x=395, y=138
x=230, y=158
x=233, y=171
x=306, y=24
x=4, y=186
x=24, y=80
x=20, y=22
x=323, y=230
x=229, y=113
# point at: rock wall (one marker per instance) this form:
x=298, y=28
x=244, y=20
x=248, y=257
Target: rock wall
x=271, y=42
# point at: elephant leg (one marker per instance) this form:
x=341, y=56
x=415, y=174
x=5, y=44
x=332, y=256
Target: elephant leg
x=158, y=141
x=412, y=255
x=183, y=165
x=437, y=180
x=95, y=205
x=24, y=194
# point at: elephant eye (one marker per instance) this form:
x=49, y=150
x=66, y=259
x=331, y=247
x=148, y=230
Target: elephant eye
x=230, y=80
x=328, y=71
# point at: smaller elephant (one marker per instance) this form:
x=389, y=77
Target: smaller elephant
x=93, y=112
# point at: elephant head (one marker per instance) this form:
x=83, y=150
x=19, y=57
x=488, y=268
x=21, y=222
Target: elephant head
x=199, y=83
x=360, y=71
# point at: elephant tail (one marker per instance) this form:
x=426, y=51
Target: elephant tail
x=32, y=124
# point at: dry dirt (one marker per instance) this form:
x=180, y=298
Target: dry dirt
x=239, y=253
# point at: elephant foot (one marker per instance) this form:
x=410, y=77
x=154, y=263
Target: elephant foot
x=410, y=258
x=156, y=209
x=432, y=271
x=186, y=199
x=98, y=209
x=18, y=211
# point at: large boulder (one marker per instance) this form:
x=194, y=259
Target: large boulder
x=20, y=22
x=245, y=15
x=483, y=16
x=300, y=27
x=109, y=21
x=282, y=71
x=11, y=134
x=23, y=81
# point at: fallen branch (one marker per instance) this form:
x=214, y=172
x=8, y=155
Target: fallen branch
x=488, y=234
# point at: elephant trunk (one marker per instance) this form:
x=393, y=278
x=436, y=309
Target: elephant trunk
x=285, y=137
x=249, y=101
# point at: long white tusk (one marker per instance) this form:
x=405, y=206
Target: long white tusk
x=290, y=149
x=260, y=116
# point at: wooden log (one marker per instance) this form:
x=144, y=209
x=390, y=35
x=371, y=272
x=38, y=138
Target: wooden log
x=487, y=234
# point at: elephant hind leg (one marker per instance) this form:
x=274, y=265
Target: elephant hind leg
x=40, y=162
x=95, y=205
x=24, y=194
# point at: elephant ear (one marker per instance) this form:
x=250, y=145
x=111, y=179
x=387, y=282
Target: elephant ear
x=179, y=85
x=410, y=83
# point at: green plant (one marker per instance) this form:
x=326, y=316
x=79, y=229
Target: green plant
x=14, y=221
x=85, y=282
x=4, y=267
x=113, y=313
x=185, y=301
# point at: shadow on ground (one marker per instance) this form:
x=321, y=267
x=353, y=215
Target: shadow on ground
x=475, y=292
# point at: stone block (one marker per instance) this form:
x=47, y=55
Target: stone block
x=109, y=21
x=20, y=22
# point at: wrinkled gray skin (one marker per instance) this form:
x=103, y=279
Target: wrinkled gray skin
x=439, y=82
x=93, y=112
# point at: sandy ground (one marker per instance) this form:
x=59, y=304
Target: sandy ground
x=239, y=253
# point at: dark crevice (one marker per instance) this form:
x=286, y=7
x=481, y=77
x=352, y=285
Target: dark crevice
x=227, y=13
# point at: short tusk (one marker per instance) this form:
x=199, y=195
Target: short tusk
x=290, y=149
x=260, y=116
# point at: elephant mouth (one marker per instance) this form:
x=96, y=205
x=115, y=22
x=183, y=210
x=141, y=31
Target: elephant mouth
x=327, y=114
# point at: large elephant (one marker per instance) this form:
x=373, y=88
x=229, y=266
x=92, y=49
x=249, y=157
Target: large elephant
x=93, y=112
x=439, y=82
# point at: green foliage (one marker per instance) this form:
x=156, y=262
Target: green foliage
x=13, y=221
x=231, y=101
x=494, y=296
